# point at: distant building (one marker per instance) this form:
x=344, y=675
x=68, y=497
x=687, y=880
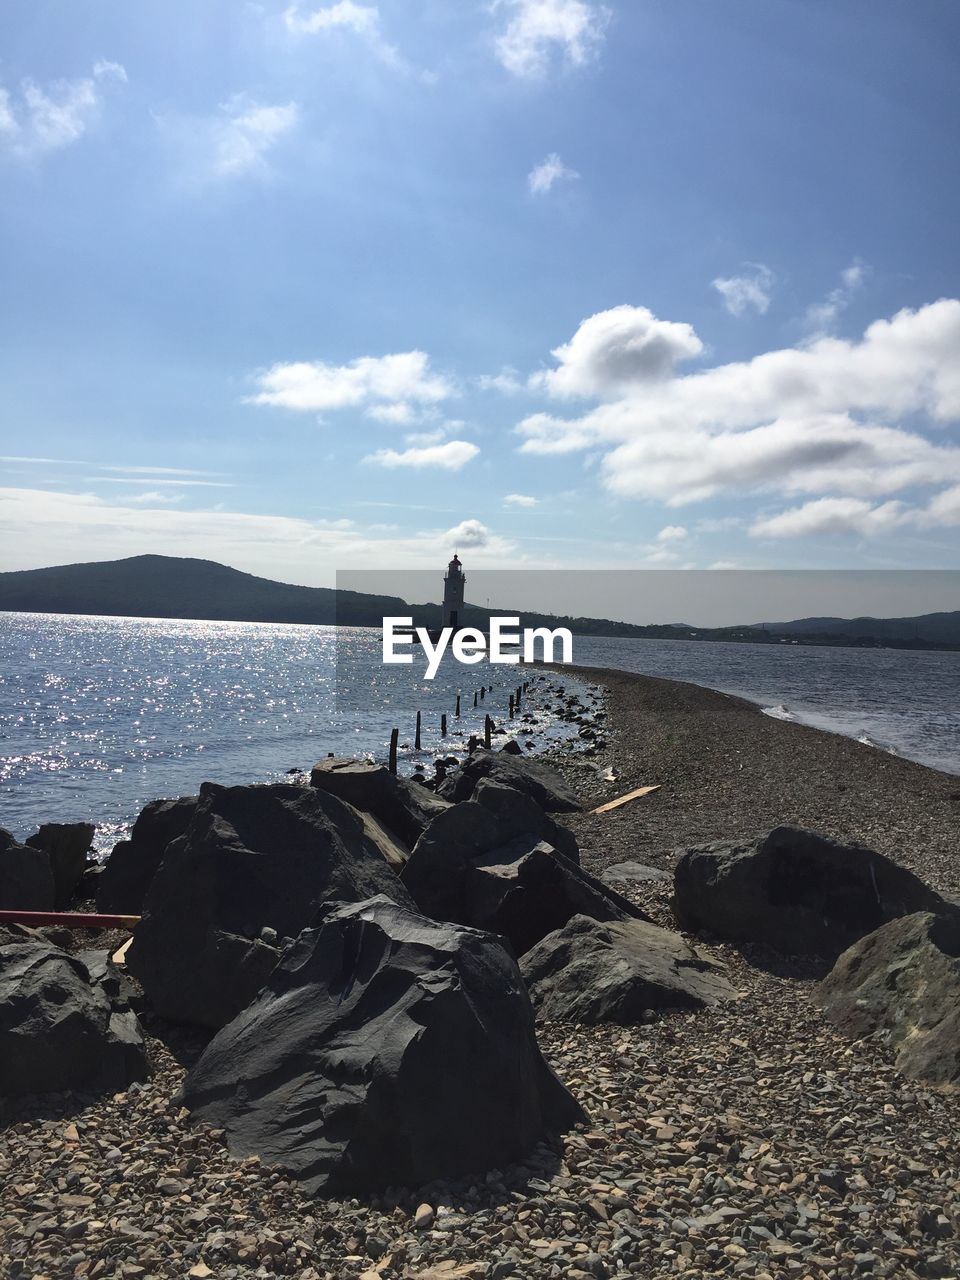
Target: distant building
x=454, y=581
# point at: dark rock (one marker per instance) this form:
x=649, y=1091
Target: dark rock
x=386, y=1050
x=519, y=815
x=404, y=808
x=795, y=892
x=127, y=873
x=485, y=863
x=589, y=972
x=66, y=844
x=251, y=857
x=534, y=778
x=512, y=747
x=903, y=980
x=59, y=1027
x=633, y=872
x=26, y=877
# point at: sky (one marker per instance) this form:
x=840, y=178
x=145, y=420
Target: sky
x=307, y=288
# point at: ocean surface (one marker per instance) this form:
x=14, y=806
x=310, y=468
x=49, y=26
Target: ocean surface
x=100, y=715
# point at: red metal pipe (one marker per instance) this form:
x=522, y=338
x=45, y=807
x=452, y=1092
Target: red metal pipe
x=67, y=920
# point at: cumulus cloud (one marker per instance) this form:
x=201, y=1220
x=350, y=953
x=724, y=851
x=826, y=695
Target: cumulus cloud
x=520, y=500
x=539, y=30
x=360, y=20
x=468, y=534
x=387, y=387
x=448, y=457
x=234, y=142
x=43, y=118
x=615, y=351
x=543, y=177
x=822, y=317
x=672, y=533
x=856, y=516
x=832, y=418
x=749, y=290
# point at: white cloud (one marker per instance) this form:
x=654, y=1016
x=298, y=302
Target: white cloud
x=823, y=419
x=154, y=498
x=360, y=20
x=538, y=29
x=751, y=289
x=672, y=533
x=507, y=381
x=520, y=500
x=39, y=527
x=822, y=317
x=385, y=386
x=543, y=177
x=49, y=117
x=856, y=516
x=448, y=457
x=616, y=350
x=234, y=142
x=469, y=534
x=831, y=516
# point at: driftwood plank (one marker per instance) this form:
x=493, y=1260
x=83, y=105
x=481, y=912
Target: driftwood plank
x=631, y=795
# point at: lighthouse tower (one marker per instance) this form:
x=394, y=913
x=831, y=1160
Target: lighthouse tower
x=454, y=581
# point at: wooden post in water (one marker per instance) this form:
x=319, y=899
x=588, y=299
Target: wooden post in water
x=519, y=693
x=457, y=712
x=416, y=740
x=482, y=693
x=511, y=706
x=475, y=696
x=394, y=735
x=443, y=726
x=472, y=744
x=487, y=725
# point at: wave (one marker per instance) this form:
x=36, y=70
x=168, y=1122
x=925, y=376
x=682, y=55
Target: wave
x=779, y=712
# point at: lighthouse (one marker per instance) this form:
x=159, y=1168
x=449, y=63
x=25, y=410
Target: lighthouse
x=454, y=581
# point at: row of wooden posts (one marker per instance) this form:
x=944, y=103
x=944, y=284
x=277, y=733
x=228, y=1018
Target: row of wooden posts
x=516, y=698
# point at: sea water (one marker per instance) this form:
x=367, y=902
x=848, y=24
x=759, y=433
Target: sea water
x=100, y=715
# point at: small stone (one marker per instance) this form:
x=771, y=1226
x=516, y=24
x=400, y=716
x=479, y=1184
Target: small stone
x=423, y=1219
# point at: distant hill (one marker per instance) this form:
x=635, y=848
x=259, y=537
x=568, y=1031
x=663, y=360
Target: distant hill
x=930, y=628
x=171, y=587
x=174, y=587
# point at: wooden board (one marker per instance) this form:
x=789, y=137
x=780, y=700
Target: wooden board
x=631, y=795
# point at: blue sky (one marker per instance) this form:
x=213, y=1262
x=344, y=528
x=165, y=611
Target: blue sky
x=330, y=286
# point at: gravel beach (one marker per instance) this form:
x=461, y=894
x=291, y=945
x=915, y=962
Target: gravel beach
x=750, y=1140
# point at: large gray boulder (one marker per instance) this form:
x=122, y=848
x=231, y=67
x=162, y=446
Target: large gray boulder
x=63, y=1027
x=26, y=877
x=386, y=1050
x=903, y=982
x=126, y=875
x=794, y=891
x=539, y=781
x=252, y=859
x=486, y=863
x=619, y=971
x=405, y=808
x=66, y=844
